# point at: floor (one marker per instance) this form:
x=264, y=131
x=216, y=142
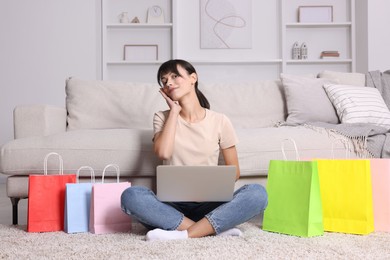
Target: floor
x=6, y=208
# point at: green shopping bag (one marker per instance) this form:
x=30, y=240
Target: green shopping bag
x=294, y=199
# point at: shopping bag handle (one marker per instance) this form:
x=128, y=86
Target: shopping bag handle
x=90, y=169
x=295, y=147
x=347, y=147
x=116, y=167
x=59, y=159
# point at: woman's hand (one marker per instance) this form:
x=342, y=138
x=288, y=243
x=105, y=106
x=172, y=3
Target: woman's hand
x=174, y=106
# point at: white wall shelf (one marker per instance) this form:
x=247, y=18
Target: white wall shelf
x=307, y=25
x=237, y=61
x=275, y=29
x=116, y=35
x=337, y=35
x=133, y=62
x=319, y=61
x=139, y=25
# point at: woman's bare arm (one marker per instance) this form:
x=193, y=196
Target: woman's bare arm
x=164, y=140
x=231, y=158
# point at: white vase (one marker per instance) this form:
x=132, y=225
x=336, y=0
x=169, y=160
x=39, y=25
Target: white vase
x=123, y=18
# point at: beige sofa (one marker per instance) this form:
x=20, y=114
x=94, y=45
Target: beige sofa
x=111, y=122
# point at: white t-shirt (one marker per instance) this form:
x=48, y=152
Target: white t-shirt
x=198, y=143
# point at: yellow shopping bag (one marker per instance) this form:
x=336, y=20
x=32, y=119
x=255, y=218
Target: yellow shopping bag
x=346, y=194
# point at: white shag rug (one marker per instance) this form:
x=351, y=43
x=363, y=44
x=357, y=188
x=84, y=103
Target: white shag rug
x=16, y=243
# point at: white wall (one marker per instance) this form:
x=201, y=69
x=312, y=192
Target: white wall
x=373, y=38
x=378, y=29
x=42, y=43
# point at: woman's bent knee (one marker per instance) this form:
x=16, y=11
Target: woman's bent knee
x=260, y=194
x=132, y=196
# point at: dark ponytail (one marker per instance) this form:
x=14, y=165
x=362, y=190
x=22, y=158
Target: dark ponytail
x=171, y=67
x=202, y=99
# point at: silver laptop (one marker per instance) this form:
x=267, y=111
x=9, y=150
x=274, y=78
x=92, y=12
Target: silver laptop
x=195, y=183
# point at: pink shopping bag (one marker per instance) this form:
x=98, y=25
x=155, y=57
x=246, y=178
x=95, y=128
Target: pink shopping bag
x=380, y=177
x=106, y=215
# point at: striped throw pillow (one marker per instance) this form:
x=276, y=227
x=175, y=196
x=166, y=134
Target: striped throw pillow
x=358, y=104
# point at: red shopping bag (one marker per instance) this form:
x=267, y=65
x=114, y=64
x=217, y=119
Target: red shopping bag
x=46, y=198
x=106, y=215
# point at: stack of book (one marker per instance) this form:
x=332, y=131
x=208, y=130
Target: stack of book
x=329, y=54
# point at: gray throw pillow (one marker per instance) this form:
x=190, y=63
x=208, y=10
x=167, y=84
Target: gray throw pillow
x=307, y=100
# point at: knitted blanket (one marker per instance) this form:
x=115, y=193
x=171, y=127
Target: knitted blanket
x=366, y=137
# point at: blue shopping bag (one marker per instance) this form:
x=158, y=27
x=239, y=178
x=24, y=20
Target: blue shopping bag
x=77, y=204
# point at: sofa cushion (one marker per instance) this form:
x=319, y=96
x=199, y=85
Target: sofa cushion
x=131, y=149
x=38, y=120
x=248, y=105
x=111, y=104
x=359, y=104
x=346, y=78
x=307, y=100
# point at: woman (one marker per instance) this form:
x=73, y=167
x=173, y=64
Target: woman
x=191, y=134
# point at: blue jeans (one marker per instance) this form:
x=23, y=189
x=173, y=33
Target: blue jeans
x=141, y=203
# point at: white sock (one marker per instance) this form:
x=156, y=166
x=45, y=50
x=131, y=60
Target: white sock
x=160, y=234
x=231, y=232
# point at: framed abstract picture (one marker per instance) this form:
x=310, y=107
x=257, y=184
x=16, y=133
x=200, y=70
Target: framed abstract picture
x=225, y=24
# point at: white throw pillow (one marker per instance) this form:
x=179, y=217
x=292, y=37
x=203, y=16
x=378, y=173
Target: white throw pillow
x=356, y=104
